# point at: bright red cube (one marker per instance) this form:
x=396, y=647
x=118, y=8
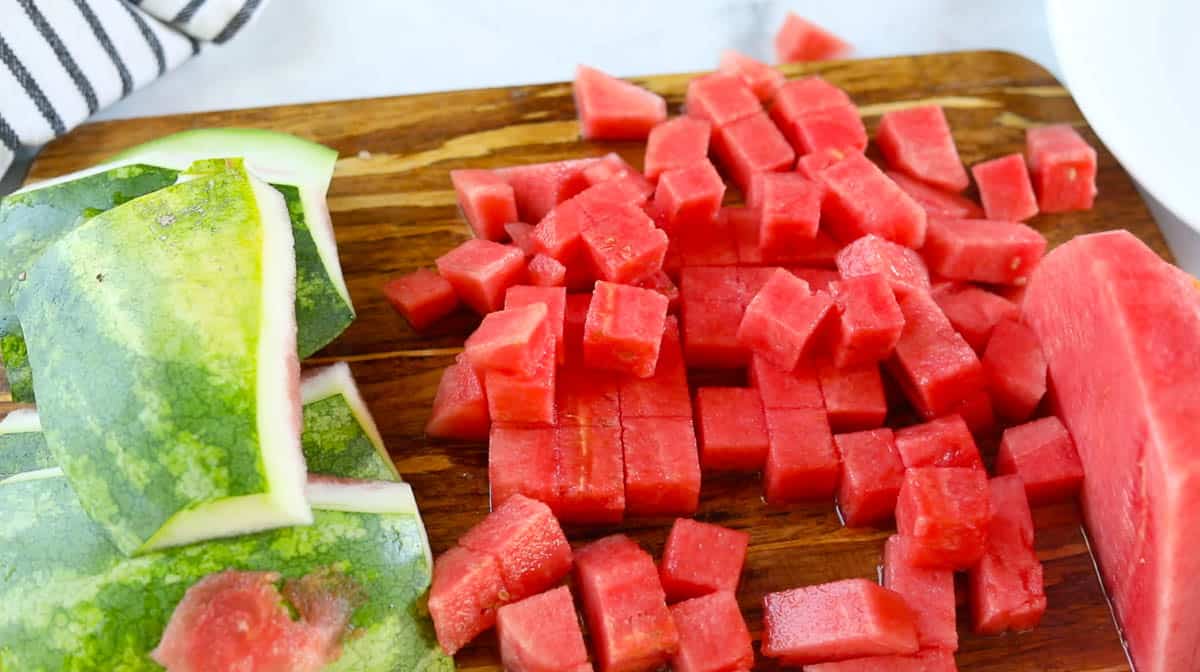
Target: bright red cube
x=713, y=636
x=1016, y=371
x=1042, y=454
x=521, y=235
x=466, y=591
x=861, y=200
x=555, y=300
x=762, y=79
x=798, y=388
x=521, y=461
x=789, y=214
x=937, y=203
x=799, y=40
x=917, y=141
x=422, y=297
x=807, y=94
x=944, y=442
x=980, y=250
x=624, y=329
x=625, y=246
x=710, y=333
x=702, y=558
x=559, y=234
x=929, y=593
x=838, y=128
x=1063, y=167
x=902, y=267
x=662, y=466
x=1005, y=189
x=677, y=143
x=613, y=109
x=546, y=271
x=539, y=187
x=690, y=196
x=944, y=512
x=974, y=312
x=665, y=394
x=589, y=477
x=845, y=619
x=720, y=99
x=523, y=399
x=512, y=340
x=731, y=428
x=928, y=660
x=933, y=364
x=854, y=397
x=750, y=146
x=871, y=476
x=542, y=634
x=802, y=462
x=868, y=321
x=783, y=319
x=587, y=397
x=481, y=271
x=1006, y=586
x=527, y=542
x=487, y=201
x=460, y=408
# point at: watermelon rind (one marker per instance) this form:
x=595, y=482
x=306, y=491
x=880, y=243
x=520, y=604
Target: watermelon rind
x=340, y=435
x=162, y=338
x=22, y=446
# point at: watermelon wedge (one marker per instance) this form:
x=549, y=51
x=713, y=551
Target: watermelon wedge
x=613, y=109
x=799, y=39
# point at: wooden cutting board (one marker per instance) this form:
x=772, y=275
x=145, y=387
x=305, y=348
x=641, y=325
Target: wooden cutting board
x=394, y=211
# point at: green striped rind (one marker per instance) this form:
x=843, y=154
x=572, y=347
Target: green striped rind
x=340, y=436
x=15, y=359
x=162, y=338
x=22, y=446
x=84, y=606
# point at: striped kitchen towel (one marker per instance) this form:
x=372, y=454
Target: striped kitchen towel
x=65, y=59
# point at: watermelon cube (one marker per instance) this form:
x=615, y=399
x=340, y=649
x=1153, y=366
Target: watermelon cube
x=937, y=203
x=422, y=297
x=665, y=394
x=743, y=221
x=929, y=660
x=871, y=477
x=1007, y=591
x=589, y=476
x=868, y=321
x=902, y=267
x=662, y=466
x=944, y=512
x=690, y=196
x=731, y=428
x=811, y=165
x=560, y=233
x=929, y=593
x=539, y=187
x=789, y=214
x=625, y=246
x=662, y=283
x=845, y=619
x=546, y=271
x=710, y=333
x=861, y=200
x=574, y=320
x=611, y=166
x=713, y=636
x=541, y=634
x=521, y=461
x=944, y=442
x=1016, y=371
x=1042, y=454
x=613, y=109
x=702, y=558
x=587, y=397
x=798, y=388
x=521, y=235
x=487, y=201
x=523, y=399
x=677, y=143
x=460, y=407
x=720, y=99
x=624, y=604
x=750, y=146
x=933, y=364
x=802, y=462
x=1063, y=168
x=917, y=141
x=481, y=271
x=783, y=319
x=526, y=541
x=1005, y=189
x=709, y=243
x=762, y=79
x=555, y=300
x=808, y=94
x=513, y=340
x=624, y=329
x=800, y=40
x=980, y=250
x=974, y=312
x=838, y=128
x=466, y=590
x=623, y=190
x=854, y=397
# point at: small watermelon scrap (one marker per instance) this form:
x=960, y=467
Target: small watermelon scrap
x=944, y=512
x=690, y=196
x=731, y=428
x=762, y=79
x=929, y=592
x=720, y=99
x=1005, y=189
x=917, y=141
x=662, y=466
x=521, y=460
x=676, y=143
x=624, y=328
x=481, y=271
x=422, y=297
x=702, y=558
x=513, y=340
x=1006, y=587
x=902, y=267
x=467, y=590
x=750, y=146
x=802, y=461
x=546, y=271
x=974, y=312
x=1063, y=168
x=868, y=323
x=933, y=364
x=981, y=250
x=798, y=388
x=487, y=201
x=1042, y=454
x=542, y=634
x=937, y=203
x=613, y=109
x=929, y=660
x=871, y=476
x=1016, y=371
x=713, y=636
x=944, y=442
x=589, y=477
x=861, y=200
x=460, y=407
x=783, y=319
x=854, y=396
x=801, y=40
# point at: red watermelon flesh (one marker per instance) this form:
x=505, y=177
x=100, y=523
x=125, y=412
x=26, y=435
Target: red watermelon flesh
x=762, y=79
x=1007, y=591
x=710, y=333
x=784, y=319
x=555, y=300
x=560, y=233
x=546, y=271
x=662, y=283
x=467, y=590
x=487, y=201
x=624, y=329
x=521, y=461
x=422, y=297
x=806, y=95
x=480, y=271
x=902, y=267
x=662, y=466
x=937, y=203
x=589, y=476
x=613, y=109
x=731, y=428
x=677, y=143
x=974, y=312
x=799, y=39
x=523, y=399
x=798, y=388
x=587, y=397
x=707, y=243
x=609, y=167
x=626, y=610
x=802, y=462
x=818, y=279
x=833, y=128
x=944, y=442
x=929, y=592
x=930, y=660
x=944, y=512
x=820, y=252
x=713, y=636
x=871, y=477
x=460, y=407
x=665, y=394
x=976, y=411
x=1005, y=189
x=1063, y=168
x=690, y=196
x=789, y=214
x=625, y=246
x=750, y=146
x=1016, y=371
x=542, y=634
x=917, y=141
x=1042, y=454
x=720, y=99
x=512, y=341
x=811, y=165
x=842, y=620
x=743, y=221
x=627, y=189
x=538, y=187
x=702, y=558
x=861, y=200
x=1003, y=253
x=854, y=396
x=573, y=323
x=522, y=236
x=868, y=321
x=933, y=364
x=527, y=543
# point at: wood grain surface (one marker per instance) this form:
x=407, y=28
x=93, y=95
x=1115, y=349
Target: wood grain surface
x=394, y=211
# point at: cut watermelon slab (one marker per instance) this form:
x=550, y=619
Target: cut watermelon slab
x=481, y=271
x=944, y=512
x=974, y=312
x=1005, y=189
x=487, y=201
x=854, y=396
x=1016, y=371
x=838, y=128
x=731, y=428
x=546, y=271
x=521, y=461
x=512, y=341
x=690, y=196
x=802, y=461
x=467, y=590
x=871, y=476
x=665, y=394
x=613, y=109
x=677, y=143
x=1042, y=454
x=555, y=300
x=750, y=146
x=861, y=200
x=701, y=558
x=929, y=593
x=944, y=442
x=624, y=329
x=789, y=214
x=842, y=620
x=1007, y=591
x=527, y=544
x=523, y=399
x=799, y=40
x=980, y=250
x=662, y=466
x=422, y=297
x=762, y=79
x=868, y=323
x=917, y=141
x=538, y=187
x=937, y=203
x=589, y=477
x=798, y=388
x=542, y=634
x=930, y=660
x=626, y=610
x=1063, y=168
x=460, y=407
x=624, y=245
x=713, y=636
x=720, y=99
x=934, y=365
x=784, y=319
x=902, y=267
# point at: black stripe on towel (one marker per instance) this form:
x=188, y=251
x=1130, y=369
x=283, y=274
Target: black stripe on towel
x=189, y=10
x=151, y=39
x=235, y=24
x=107, y=44
x=27, y=82
x=8, y=137
x=64, y=57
